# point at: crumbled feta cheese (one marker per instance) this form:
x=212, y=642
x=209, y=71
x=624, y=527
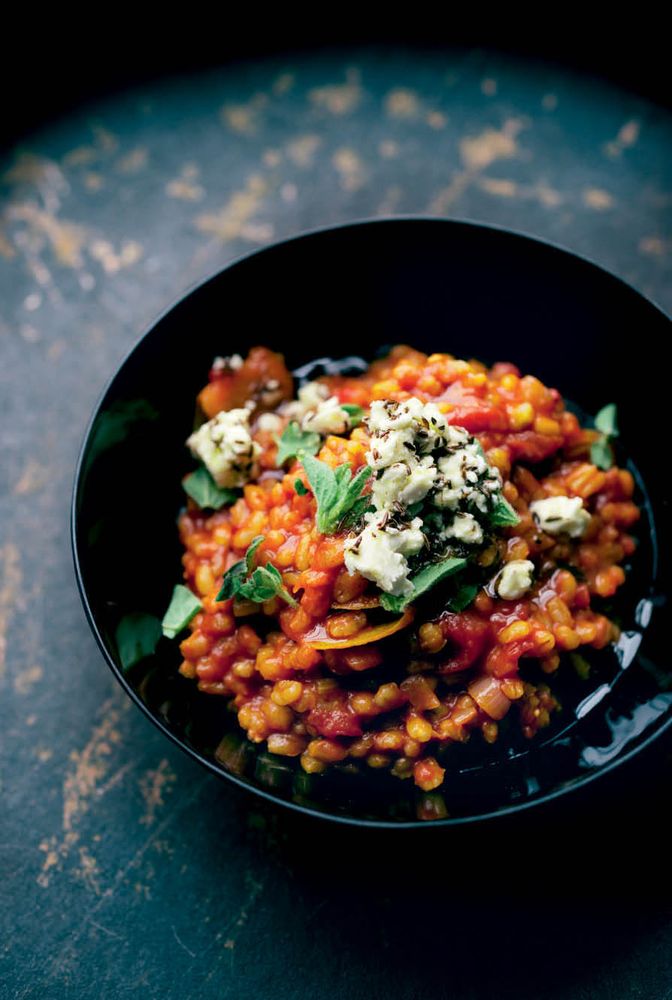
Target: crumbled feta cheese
x=231, y=364
x=561, y=516
x=515, y=579
x=466, y=477
x=270, y=422
x=465, y=528
x=328, y=418
x=310, y=396
x=225, y=446
x=379, y=553
x=404, y=483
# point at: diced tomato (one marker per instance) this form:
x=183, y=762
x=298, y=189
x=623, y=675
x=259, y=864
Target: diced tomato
x=471, y=411
x=469, y=633
x=532, y=447
x=263, y=377
x=334, y=719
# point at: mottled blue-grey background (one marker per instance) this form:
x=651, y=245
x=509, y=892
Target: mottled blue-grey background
x=125, y=870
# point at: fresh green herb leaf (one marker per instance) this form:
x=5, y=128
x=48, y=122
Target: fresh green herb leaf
x=300, y=488
x=424, y=581
x=463, y=597
x=360, y=507
x=293, y=443
x=182, y=608
x=601, y=454
x=251, y=549
x=354, y=412
x=606, y=421
x=581, y=665
x=336, y=491
x=258, y=585
x=414, y=509
x=232, y=580
x=503, y=515
x=202, y=488
x=137, y=635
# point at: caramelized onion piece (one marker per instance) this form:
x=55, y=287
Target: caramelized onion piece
x=318, y=638
x=487, y=693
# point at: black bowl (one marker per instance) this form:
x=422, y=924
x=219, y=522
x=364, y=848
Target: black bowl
x=471, y=290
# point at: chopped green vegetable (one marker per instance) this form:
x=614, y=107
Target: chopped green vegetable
x=182, y=608
x=606, y=421
x=601, y=452
x=424, y=581
x=503, y=515
x=137, y=635
x=293, y=443
x=354, y=412
x=257, y=585
x=463, y=597
x=202, y=488
x=337, y=492
x=300, y=488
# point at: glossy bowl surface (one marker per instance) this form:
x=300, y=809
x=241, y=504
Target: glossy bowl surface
x=471, y=290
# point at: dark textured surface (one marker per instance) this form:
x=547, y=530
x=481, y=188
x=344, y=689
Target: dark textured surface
x=125, y=869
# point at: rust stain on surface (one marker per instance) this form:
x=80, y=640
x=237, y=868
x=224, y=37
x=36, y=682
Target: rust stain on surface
x=436, y=120
x=33, y=477
x=597, y=198
x=185, y=186
x=112, y=260
x=339, y=98
x=66, y=239
x=6, y=249
x=388, y=149
x=133, y=161
x=301, y=151
x=402, y=103
x=11, y=596
x=488, y=86
x=25, y=681
x=653, y=246
x=283, y=84
x=233, y=220
x=153, y=785
x=244, y=118
x=83, y=782
x=349, y=167
x=501, y=187
x=480, y=151
x=627, y=136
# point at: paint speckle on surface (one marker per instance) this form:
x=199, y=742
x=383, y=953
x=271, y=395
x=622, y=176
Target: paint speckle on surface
x=388, y=149
x=185, y=187
x=488, y=86
x=339, y=98
x=549, y=102
x=597, y=198
x=654, y=246
x=66, y=239
x=627, y=136
x=233, y=219
x=436, y=120
x=283, y=84
x=402, y=103
x=27, y=679
x=111, y=260
x=153, y=785
x=133, y=161
x=349, y=167
x=244, y=118
x=480, y=151
x=301, y=151
x=501, y=187
x=11, y=595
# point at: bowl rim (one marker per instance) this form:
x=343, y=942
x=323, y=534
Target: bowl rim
x=502, y=813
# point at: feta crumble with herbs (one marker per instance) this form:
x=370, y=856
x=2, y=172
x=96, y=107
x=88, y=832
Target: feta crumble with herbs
x=226, y=448
x=419, y=461
x=561, y=516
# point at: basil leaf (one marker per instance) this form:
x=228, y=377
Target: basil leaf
x=137, y=635
x=300, y=488
x=601, y=454
x=183, y=606
x=463, y=597
x=293, y=442
x=251, y=549
x=202, y=488
x=424, y=581
x=354, y=412
x=503, y=515
x=336, y=491
x=606, y=422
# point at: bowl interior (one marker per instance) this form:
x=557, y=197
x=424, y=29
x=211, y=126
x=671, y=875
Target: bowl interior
x=469, y=290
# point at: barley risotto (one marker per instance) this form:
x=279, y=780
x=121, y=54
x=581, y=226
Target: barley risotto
x=382, y=564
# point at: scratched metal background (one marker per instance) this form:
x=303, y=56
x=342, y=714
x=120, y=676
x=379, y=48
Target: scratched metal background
x=125, y=870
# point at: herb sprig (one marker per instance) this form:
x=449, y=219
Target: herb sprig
x=257, y=585
x=601, y=452
x=202, y=488
x=293, y=443
x=424, y=581
x=183, y=606
x=340, y=502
